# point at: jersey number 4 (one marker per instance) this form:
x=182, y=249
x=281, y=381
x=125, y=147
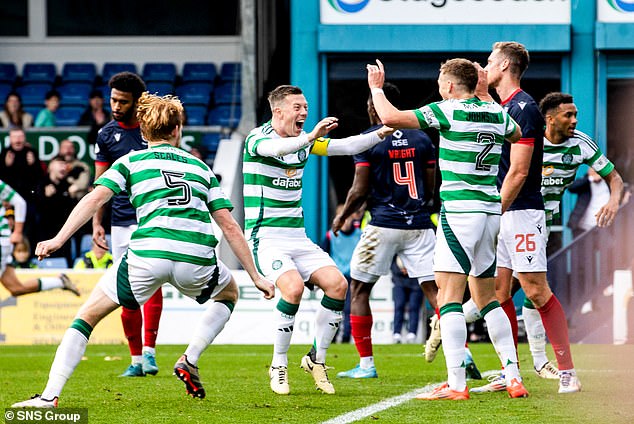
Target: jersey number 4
x=175, y=180
x=409, y=179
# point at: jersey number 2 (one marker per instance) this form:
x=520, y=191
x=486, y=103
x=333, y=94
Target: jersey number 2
x=175, y=180
x=409, y=179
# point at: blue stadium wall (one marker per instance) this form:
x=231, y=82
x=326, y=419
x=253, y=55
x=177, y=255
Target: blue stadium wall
x=591, y=52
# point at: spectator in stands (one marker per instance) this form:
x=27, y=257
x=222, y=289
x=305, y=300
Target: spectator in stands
x=22, y=170
x=55, y=204
x=13, y=115
x=78, y=171
x=22, y=255
x=96, y=258
x=407, y=295
x=95, y=115
x=592, y=193
x=46, y=116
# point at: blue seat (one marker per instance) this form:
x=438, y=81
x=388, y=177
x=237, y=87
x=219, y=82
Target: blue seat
x=49, y=263
x=33, y=110
x=79, y=72
x=230, y=71
x=160, y=88
x=195, y=93
x=8, y=73
x=228, y=93
x=39, y=73
x=74, y=93
x=225, y=116
x=211, y=141
x=111, y=68
x=86, y=243
x=68, y=116
x=199, y=72
x=5, y=89
x=33, y=94
x=196, y=115
x=165, y=72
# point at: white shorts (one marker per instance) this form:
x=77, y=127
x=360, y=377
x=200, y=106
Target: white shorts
x=375, y=252
x=522, y=241
x=120, y=240
x=466, y=243
x=134, y=279
x=274, y=257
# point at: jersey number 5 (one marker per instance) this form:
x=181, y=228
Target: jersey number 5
x=409, y=179
x=175, y=180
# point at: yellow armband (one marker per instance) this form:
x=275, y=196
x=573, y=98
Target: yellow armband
x=320, y=147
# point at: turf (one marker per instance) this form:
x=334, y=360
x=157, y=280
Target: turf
x=236, y=381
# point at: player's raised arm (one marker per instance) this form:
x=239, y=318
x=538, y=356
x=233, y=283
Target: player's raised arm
x=390, y=115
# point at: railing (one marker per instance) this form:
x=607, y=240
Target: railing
x=577, y=271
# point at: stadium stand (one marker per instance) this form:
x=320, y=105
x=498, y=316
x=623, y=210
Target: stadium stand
x=211, y=141
x=195, y=93
x=8, y=73
x=230, y=71
x=199, y=72
x=225, y=116
x=5, y=89
x=111, y=68
x=228, y=93
x=159, y=72
x=33, y=94
x=160, y=88
x=195, y=114
x=39, y=73
x=79, y=72
x=74, y=93
x=50, y=263
x=68, y=116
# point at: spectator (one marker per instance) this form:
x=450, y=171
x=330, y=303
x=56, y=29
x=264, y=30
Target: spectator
x=593, y=192
x=95, y=115
x=22, y=255
x=340, y=248
x=46, y=116
x=13, y=115
x=96, y=258
x=22, y=170
x=54, y=199
x=407, y=295
x=78, y=171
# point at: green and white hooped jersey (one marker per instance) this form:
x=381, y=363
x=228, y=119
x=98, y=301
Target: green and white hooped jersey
x=6, y=194
x=471, y=136
x=173, y=194
x=272, y=189
x=560, y=165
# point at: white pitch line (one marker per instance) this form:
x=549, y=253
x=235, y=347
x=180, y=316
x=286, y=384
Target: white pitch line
x=365, y=412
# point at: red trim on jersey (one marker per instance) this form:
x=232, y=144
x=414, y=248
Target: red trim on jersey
x=431, y=162
x=362, y=164
x=102, y=163
x=128, y=127
x=511, y=96
x=526, y=141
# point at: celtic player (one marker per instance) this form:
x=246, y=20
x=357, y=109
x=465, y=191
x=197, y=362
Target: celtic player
x=471, y=136
x=175, y=196
x=274, y=158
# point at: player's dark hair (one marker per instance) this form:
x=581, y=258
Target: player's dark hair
x=281, y=92
x=128, y=82
x=552, y=101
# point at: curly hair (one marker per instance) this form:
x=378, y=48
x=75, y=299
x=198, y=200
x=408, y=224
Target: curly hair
x=158, y=116
x=128, y=82
x=552, y=101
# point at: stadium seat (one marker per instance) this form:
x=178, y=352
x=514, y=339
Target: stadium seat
x=228, y=93
x=230, y=71
x=211, y=141
x=5, y=89
x=79, y=72
x=68, y=116
x=111, y=68
x=33, y=94
x=160, y=88
x=196, y=115
x=163, y=72
x=86, y=243
x=195, y=93
x=74, y=93
x=199, y=72
x=39, y=73
x=225, y=116
x=8, y=73
x=33, y=110
x=49, y=263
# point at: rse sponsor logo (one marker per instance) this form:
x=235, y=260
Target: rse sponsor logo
x=287, y=182
x=552, y=181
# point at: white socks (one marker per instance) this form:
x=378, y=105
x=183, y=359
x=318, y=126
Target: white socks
x=326, y=324
x=68, y=355
x=453, y=329
x=536, y=335
x=209, y=326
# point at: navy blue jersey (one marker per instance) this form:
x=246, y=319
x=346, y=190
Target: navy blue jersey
x=113, y=141
x=398, y=167
x=525, y=112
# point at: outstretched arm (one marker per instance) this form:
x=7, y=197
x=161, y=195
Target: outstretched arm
x=239, y=247
x=83, y=211
x=350, y=145
x=390, y=115
x=607, y=213
x=272, y=147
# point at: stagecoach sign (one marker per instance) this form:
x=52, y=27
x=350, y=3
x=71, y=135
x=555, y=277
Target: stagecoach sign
x=434, y=12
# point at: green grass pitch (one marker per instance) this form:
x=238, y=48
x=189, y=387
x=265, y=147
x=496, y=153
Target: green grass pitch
x=236, y=381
